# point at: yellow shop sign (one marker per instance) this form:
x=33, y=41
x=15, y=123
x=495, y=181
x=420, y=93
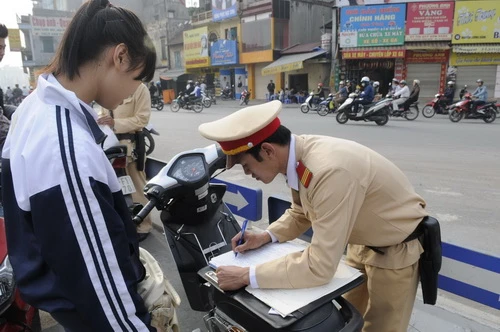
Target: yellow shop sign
x=478, y=59
x=476, y=22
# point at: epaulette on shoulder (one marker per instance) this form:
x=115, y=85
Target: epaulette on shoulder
x=305, y=175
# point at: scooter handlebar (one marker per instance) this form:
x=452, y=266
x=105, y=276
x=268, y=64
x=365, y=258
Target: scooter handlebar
x=139, y=217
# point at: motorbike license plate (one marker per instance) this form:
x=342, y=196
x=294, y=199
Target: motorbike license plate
x=127, y=185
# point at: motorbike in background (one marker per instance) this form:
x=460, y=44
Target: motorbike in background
x=186, y=102
x=206, y=100
x=377, y=112
x=198, y=226
x=410, y=115
x=438, y=105
x=463, y=109
x=311, y=104
x=227, y=93
x=327, y=106
x=245, y=96
x=157, y=102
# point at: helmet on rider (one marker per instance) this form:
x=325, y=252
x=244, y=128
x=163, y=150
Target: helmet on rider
x=320, y=85
x=416, y=82
x=479, y=81
x=365, y=79
x=451, y=83
x=197, y=83
x=341, y=83
x=395, y=80
x=402, y=82
x=376, y=83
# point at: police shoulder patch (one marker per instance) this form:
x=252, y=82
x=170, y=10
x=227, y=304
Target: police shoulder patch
x=305, y=175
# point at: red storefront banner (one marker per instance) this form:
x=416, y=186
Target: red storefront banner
x=373, y=54
x=437, y=56
x=429, y=21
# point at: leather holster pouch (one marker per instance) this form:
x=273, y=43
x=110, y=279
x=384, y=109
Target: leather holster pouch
x=140, y=150
x=431, y=258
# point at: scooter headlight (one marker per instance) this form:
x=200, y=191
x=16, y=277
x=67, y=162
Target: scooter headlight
x=7, y=284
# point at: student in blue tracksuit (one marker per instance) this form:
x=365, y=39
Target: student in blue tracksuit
x=71, y=240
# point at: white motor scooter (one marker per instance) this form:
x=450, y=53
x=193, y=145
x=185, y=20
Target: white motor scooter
x=377, y=112
x=308, y=104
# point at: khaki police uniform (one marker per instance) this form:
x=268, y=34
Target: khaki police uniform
x=130, y=117
x=348, y=194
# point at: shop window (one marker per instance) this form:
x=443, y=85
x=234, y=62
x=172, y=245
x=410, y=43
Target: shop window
x=47, y=44
x=256, y=35
x=280, y=34
x=177, y=59
x=231, y=34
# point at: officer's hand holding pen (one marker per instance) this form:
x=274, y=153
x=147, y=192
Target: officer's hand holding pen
x=252, y=241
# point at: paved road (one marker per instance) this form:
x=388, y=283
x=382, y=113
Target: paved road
x=455, y=167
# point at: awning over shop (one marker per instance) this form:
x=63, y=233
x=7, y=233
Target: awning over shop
x=173, y=74
x=290, y=62
x=477, y=48
x=385, y=52
x=428, y=46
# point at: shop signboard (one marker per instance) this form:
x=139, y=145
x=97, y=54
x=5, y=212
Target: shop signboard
x=476, y=22
x=429, y=21
x=49, y=26
x=224, y=9
x=343, y=3
x=15, y=40
x=373, y=54
x=224, y=52
x=372, y=25
x=478, y=59
x=196, y=48
x=436, y=56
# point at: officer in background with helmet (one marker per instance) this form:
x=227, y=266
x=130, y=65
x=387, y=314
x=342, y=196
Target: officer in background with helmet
x=403, y=94
x=480, y=94
x=366, y=97
x=415, y=92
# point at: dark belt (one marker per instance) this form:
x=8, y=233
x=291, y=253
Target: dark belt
x=418, y=232
x=126, y=136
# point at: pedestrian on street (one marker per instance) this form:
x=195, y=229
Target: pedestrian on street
x=270, y=89
x=127, y=121
x=369, y=206
x=71, y=240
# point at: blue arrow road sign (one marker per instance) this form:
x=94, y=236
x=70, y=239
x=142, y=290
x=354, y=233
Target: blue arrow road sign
x=243, y=201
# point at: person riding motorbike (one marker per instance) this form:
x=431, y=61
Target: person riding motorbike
x=196, y=92
x=376, y=86
x=395, y=87
x=480, y=95
x=342, y=94
x=403, y=93
x=189, y=89
x=366, y=97
x=449, y=92
x=415, y=92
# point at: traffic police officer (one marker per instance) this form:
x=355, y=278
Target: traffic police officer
x=349, y=194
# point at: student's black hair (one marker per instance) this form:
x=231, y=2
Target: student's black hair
x=4, y=32
x=97, y=25
x=281, y=136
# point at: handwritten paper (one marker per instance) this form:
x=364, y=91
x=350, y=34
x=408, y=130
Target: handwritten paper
x=285, y=301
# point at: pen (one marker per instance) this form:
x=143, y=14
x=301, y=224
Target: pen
x=243, y=229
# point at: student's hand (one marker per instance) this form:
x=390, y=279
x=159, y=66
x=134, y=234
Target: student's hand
x=106, y=120
x=233, y=277
x=251, y=241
